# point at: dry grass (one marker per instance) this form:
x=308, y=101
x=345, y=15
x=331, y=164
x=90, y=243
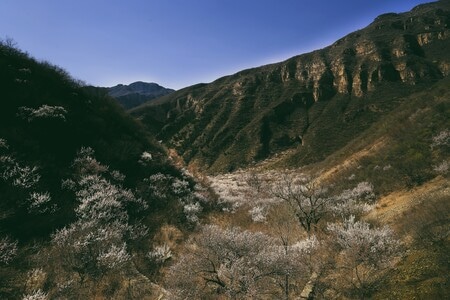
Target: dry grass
x=353, y=160
x=398, y=206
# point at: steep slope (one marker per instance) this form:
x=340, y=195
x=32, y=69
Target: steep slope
x=46, y=118
x=137, y=93
x=405, y=158
x=314, y=103
x=83, y=188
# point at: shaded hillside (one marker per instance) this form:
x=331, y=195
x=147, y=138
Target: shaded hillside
x=81, y=183
x=45, y=118
x=314, y=103
x=137, y=93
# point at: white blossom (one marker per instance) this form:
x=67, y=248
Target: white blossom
x=86, y=164
x=180, y=187
x=308, y=199
x=68, y=184
x=18, y=175
x=117, y=176
x=38, y=201
x=307, y=245
x=36, y=295
x=44, y=111
x=231, y=262
x=441, y=139
x=387, y=167
x=259, y=213
x=65, y=286
x=362, y=243
x=160, y=254
x=442, y=168
x=145, y=158
x=354, y=201
x=159, y=185
x=113, y=257
x=8, y=250
x=191, y=211
x=363, y=251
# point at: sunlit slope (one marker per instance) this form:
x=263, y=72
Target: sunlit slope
x=313, y=104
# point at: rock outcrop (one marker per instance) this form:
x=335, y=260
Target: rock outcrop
x=326, y=96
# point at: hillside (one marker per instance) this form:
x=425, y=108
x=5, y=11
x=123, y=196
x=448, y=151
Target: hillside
x=137, y=93
x=83, y=187
x=312, y=104
x=401, y=164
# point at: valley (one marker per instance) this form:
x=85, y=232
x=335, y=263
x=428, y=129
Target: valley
x=325, y=176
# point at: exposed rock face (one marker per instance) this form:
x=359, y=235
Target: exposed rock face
x=258, y=112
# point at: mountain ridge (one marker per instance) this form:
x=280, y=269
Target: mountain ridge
x=255, y=113
x=137, y=93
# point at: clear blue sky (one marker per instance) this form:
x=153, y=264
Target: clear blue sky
x=177, y=43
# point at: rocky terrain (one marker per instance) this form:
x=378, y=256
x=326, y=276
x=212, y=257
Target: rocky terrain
x=313, y=103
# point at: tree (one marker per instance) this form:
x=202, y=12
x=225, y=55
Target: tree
x=96, y=243
x=363, y=251
x=8, y=250
x=307, y=198
x=354, y=201
x=233, y=263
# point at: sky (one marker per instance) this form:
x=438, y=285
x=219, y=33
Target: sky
x=178, y=43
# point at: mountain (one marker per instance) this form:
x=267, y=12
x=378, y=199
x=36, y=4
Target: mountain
x=312, y=104
x=137, y=93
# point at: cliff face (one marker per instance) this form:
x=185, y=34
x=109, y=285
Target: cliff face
x=313, y=103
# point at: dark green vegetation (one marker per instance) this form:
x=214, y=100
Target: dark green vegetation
x=71, y=158
x=51, y=143
x=314, y=103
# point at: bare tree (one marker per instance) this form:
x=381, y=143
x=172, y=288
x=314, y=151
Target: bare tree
x=233, y=263
x=307, y=198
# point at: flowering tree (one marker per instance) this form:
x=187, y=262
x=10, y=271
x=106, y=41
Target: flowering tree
x=96, y=243
x=43, y=112
x=16, y=174
x=162, y=187
x=363, y=252
x=233, y=263
x=306, y=197
x=8, y=250
x=36, y=295
x=26, y=179
x=354, y=201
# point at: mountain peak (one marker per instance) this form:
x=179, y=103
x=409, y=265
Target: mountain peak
x=137, y=93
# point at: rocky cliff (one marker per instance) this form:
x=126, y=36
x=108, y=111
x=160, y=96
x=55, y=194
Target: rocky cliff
x=312, y=103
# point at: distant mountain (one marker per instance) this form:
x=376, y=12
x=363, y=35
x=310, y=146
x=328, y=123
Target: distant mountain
x=312, y=104
x=137, y=93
